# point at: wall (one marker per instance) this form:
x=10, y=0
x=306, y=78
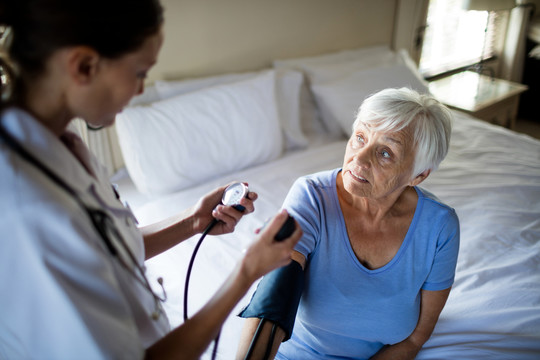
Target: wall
x=410, y=22
x=204, y=37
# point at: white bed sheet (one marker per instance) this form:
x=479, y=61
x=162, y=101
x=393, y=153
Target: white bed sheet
x=491, y=176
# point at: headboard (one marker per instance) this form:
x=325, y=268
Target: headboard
x=207, y=37
x=210, y=37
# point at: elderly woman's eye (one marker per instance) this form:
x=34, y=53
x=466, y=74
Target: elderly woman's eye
x=360, y=138
x=385, y=154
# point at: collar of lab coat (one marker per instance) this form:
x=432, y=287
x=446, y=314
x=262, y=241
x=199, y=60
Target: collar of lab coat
x=49, y=150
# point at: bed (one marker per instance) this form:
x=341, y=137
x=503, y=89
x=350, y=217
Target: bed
x=270, y=126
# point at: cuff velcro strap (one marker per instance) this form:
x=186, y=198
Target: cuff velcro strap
x=277, y=297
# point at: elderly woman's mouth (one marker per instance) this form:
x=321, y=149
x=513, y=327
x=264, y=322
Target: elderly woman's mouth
x=358, y=177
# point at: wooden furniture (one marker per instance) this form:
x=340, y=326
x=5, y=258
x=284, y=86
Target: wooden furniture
x=489, y=99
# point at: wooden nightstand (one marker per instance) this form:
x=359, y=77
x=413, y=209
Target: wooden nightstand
x=492, y=100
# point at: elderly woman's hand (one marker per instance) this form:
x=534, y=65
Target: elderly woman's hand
x=405, y=350
x=209, y=207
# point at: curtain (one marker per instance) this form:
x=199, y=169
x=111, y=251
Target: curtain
x=104, y=145
x=513, y=56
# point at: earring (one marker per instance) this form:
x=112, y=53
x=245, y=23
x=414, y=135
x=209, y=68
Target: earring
x=7, y=67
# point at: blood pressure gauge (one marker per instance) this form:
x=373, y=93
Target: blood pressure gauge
x=233, y=194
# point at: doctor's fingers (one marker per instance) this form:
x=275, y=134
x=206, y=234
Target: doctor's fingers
x=247, y=203
x=245, y=206
x=228, y=216
x=266, y=254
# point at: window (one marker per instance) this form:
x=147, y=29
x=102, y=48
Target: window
x=457, y=38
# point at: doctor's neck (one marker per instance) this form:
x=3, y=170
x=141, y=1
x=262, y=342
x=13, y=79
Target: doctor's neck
x=45, y=99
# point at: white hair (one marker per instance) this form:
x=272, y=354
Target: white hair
x=429, y=120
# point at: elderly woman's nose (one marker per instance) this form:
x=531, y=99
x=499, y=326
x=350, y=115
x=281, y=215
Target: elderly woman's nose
x=363, y=157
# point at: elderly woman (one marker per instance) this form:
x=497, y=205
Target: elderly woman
x=378, y=253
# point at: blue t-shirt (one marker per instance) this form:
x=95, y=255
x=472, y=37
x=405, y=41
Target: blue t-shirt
x=348, y=311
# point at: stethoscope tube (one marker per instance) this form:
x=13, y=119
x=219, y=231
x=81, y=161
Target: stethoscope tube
x=100, y=220
x=188, y=276
x=190, y=268
x=253, y=342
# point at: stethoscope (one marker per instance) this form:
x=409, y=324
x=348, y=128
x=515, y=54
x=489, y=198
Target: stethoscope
x=101, y=220
x=105, y=227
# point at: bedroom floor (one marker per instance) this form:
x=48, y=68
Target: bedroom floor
x=529, y=127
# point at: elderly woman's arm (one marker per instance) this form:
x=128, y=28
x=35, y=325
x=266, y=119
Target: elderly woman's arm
x=432, y=303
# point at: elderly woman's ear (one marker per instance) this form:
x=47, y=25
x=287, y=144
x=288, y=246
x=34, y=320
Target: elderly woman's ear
x=420, y=177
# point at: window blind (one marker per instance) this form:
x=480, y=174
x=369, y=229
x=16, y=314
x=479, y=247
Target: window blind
x=456, y=38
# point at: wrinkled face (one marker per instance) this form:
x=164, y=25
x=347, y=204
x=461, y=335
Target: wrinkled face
x=118, y=80
x=377, y=164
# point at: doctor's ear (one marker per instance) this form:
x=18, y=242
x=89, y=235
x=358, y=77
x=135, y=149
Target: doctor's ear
x=420, y=177
x=82, y=62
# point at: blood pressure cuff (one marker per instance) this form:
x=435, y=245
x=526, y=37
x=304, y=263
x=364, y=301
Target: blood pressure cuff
x=277, y=297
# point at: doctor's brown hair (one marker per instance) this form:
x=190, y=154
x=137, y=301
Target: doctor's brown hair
x=38, y=28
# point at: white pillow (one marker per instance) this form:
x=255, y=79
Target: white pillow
x=149, y=95
x=318, y=73
x=288, y=84
x=181, y=141
x=339, y=100
x=167, y=89
x=334, y=57
x=311, y=120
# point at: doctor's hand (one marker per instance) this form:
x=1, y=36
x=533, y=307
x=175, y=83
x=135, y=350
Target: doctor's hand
x=209, y=207
x=267, y=254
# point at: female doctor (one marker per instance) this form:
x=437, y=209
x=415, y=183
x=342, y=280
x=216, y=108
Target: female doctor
x=71, y=257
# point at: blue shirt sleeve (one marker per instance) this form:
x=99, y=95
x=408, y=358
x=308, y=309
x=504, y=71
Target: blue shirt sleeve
x=444, y=264
x=306, y=215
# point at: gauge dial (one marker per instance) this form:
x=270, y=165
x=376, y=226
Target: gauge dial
x=234, y=193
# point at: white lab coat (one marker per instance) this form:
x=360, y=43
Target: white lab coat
x=62, y=294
